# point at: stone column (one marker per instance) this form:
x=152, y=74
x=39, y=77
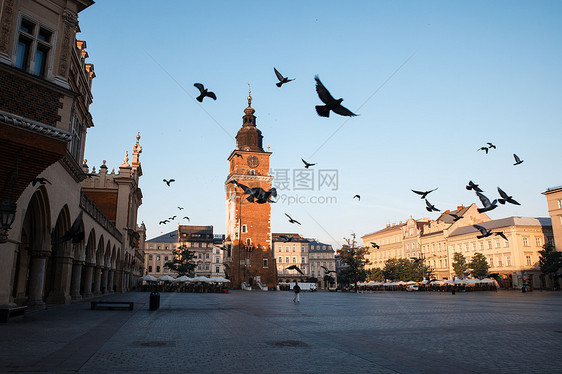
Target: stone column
x=60, y=294
x=76, y=280
x=37, y=278
x=119, y=280
x=88, y=280
x=97, y=280
x=104, y=280
x=110, y=283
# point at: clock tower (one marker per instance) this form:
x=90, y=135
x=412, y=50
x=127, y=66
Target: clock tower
x=249, y=255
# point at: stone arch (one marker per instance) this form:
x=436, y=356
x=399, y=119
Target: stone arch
x=87, y=278
x=55, y=285
x=29, y=272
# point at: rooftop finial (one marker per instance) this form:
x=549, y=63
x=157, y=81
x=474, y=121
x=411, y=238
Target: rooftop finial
x=249, y=95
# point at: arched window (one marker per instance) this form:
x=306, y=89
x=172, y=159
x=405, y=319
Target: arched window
x=248, y=241
x=244, y=228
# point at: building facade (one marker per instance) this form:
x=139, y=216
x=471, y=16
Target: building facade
x=436, y=242
x=45, y=94
x=199, y=239
x=554, y=202
x=249, y=255
x=320, y=256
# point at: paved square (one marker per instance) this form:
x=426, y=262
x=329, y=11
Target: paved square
x=265, y=332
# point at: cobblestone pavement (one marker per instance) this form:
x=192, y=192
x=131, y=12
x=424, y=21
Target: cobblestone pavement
x=265, y=332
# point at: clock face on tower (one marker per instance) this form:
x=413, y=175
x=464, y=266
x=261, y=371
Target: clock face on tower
x=253, y=161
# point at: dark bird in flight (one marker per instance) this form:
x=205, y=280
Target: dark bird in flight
x=180, y=208
x=186, y=217
x=500, y=233
x=483, y=149
x=486, y=202
x=505, y=198
x=73, y=233
x=172, y=235
x=423, y=193
x=295, y=267
x=485, y=233
x=430, y=208
x=490, y=145
x=331, y=103
x=168, y=181
x=163, y=222
x=307, y=164
x=172, y=218
x=222, y=248
x=40, y=181
x=282, y=79
x=473, y=186
x=517, y=159
x=415, y=259
x=292, y=220
x=375, y=245
x=238, y=155
x=287, y=238
x=358, y=197
x=257, y=194
x=326, y=270
x=204, y=92
x=455, y=217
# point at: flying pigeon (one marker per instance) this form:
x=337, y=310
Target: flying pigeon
x=331, y=103
x=326, y=270
x=186, y=217
x=358, y=197
x=163, y=222
x=287, y=238
x=204, y=92
x=169, y=181
x=485, y=232
x=292, y=220
x=295, y=267
x=423, y=193
x=500, y=233
x=455, y=217
x=483, y=149
x=486, y=202
x=40, y=181
x=517, y=159
x=473, y=186
x=282, y=79
x=73, y=233
x=180, y=208
x=375, y=245
x=505, y=198
x=490, y=145
x=306, y=164
x=430, y=208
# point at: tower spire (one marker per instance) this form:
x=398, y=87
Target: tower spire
x=249, y=96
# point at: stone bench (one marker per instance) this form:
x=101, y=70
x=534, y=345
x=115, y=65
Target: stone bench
x=6, y=313
x=112, y=305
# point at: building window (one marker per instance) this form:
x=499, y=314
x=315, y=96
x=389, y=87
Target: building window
x=481, y=245
x=217, y=260
x=158, y=269
x=150, y=257
x=207, y=256
x=199, y=267
x=157, y=257
x=508, y=260
x=265, y=263
x=294, y=260
x=199, y=255
x=302, y=260
x=158, y=247
x=528, y=258
x=150, y=268
x=280, y=260
x=248, y=241
x=489, y=244
x=287, y=260
x=34, y=44
x=75, y=145
x=551, y=240
x=497, y=243
x=559, y=204
x=491, y=262
x=217, y=269
x=294, y=248
x=206, y=266
x=165, y=258
x=506, y=243
x=526, y=242
x=538, y=240
x=244, y=229
x=500, y=263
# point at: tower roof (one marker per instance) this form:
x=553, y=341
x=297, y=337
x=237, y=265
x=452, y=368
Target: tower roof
x=249, y=137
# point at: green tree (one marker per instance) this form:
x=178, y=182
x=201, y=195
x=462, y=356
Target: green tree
x=375, y=274
x=355, y=259
x=550, y=261
x=460, y=265
x=182, y=261
x=479, y=265
x=403, y=269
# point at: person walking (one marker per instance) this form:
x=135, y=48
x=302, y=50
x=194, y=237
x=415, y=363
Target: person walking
x=296, y=290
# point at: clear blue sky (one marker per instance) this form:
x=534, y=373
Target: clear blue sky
x=477, y=72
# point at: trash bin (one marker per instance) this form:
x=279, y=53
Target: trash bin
x=154, y=301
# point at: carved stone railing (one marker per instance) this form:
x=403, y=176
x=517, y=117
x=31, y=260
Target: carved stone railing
x=93, y=211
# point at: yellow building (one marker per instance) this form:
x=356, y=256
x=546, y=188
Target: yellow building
x=436, y=242
x=554, y=201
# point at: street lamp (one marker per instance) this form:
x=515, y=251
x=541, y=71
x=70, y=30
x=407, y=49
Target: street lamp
x=7, y=216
